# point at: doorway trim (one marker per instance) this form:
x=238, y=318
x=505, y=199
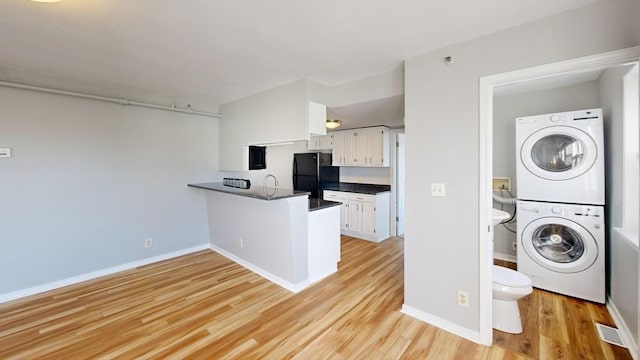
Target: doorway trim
x=393, y=203
x=485, y=151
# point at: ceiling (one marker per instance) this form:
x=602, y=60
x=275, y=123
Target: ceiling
x=205, y=53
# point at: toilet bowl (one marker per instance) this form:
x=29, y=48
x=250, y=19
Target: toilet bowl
x=508, y=286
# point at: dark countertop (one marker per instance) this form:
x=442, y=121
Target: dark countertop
x=256, y=192
x=370, y=189
x=318, y=204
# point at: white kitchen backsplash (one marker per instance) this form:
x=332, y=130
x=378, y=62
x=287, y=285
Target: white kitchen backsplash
x=366, y=175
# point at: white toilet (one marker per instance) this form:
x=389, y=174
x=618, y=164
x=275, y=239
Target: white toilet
x=508, y=286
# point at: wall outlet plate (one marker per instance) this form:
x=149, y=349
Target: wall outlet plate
x=463, y=298
x=437, y=189
x=5, y=152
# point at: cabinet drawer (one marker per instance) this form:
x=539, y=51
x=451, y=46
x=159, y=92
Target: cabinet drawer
x=334, y=195
x=362, y=197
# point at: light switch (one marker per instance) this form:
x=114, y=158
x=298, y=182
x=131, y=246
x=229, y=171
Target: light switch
x=5, y=152
x=437, y=189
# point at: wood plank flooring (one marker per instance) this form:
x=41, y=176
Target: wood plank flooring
x=559, y=327
x=203, y=306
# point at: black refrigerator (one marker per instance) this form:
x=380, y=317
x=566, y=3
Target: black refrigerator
x=311, y=171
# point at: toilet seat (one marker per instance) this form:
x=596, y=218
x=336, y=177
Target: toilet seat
x=508, y=277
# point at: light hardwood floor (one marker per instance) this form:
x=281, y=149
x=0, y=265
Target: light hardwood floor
x=203, y=306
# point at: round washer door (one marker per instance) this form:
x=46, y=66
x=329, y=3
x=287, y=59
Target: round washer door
x=558, y=153
x=560, y=245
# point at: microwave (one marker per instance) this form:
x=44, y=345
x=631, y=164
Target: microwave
x=257, y=157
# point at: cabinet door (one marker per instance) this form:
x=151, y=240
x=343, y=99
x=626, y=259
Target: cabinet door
x=350, y=147
x=340, y=197
x=368, y=219
x=338, y=155
x=326, y=141
x=355, y=216
x=314, y=142
x=317, y=118
x=361, y=146
x=376, y=147
x=344, y=216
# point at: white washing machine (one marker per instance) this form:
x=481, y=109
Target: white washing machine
x=561, y=247
x=560, y=157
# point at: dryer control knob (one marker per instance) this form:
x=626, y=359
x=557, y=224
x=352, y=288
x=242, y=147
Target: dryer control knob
x=556, y=210
x=555, y=118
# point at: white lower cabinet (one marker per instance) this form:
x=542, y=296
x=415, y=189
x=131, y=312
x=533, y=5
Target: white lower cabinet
x=362, y=216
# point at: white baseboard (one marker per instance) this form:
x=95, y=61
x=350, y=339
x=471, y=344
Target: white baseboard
x=295, y=288
x=505, y=257
x=96, y=274
x=442, y=323
x=625, y=333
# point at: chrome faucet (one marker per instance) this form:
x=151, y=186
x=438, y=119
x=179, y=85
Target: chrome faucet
x=275, y=181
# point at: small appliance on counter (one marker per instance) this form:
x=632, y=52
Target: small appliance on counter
x=237, y=183
x=311, y=171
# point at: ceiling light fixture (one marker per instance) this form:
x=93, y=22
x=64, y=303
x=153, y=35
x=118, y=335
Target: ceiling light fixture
x=333, y=123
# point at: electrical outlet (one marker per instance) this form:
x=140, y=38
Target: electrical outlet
x=240, y=242
x=437, y=189
x=148, y=243
x=514, y=246
x=463, y=298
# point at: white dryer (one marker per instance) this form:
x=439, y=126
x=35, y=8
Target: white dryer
x=560, y=157
x=561, y=247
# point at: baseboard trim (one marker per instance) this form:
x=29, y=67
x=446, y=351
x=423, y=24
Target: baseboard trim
x=14, y=295
x=505, y=257
x=294, y=288
x=625, y=333
x=442, y=324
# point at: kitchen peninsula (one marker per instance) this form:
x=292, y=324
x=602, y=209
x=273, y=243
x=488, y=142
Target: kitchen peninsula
x=277, y=233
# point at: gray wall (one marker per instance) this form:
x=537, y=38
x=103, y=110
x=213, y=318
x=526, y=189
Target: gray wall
x=89, y=181
x=505, y=110
x=441, y=124
x=622, y=256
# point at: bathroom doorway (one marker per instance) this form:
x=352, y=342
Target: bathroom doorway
x=488, y=85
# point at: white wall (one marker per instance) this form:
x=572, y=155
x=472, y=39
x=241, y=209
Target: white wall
x=505, y=110
x=441, y=124
x=272, y=116
x=89, y=181
x=274, y=233
x=375, y=87
x=622, y=254
x=279, y=163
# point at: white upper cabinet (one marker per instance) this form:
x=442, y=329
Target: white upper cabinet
x=337, y=157
x=317, y=117
x=361, y=147
x=320, y=142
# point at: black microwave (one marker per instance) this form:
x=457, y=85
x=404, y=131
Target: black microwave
x=257, y=157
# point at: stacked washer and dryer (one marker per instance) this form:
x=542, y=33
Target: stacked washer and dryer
x=561, y=194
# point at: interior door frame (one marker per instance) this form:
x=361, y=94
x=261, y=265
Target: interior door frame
x=485, y=150
x=393, y=163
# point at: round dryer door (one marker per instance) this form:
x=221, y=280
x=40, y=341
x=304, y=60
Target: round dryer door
x=559, y=245
x=558, y=153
